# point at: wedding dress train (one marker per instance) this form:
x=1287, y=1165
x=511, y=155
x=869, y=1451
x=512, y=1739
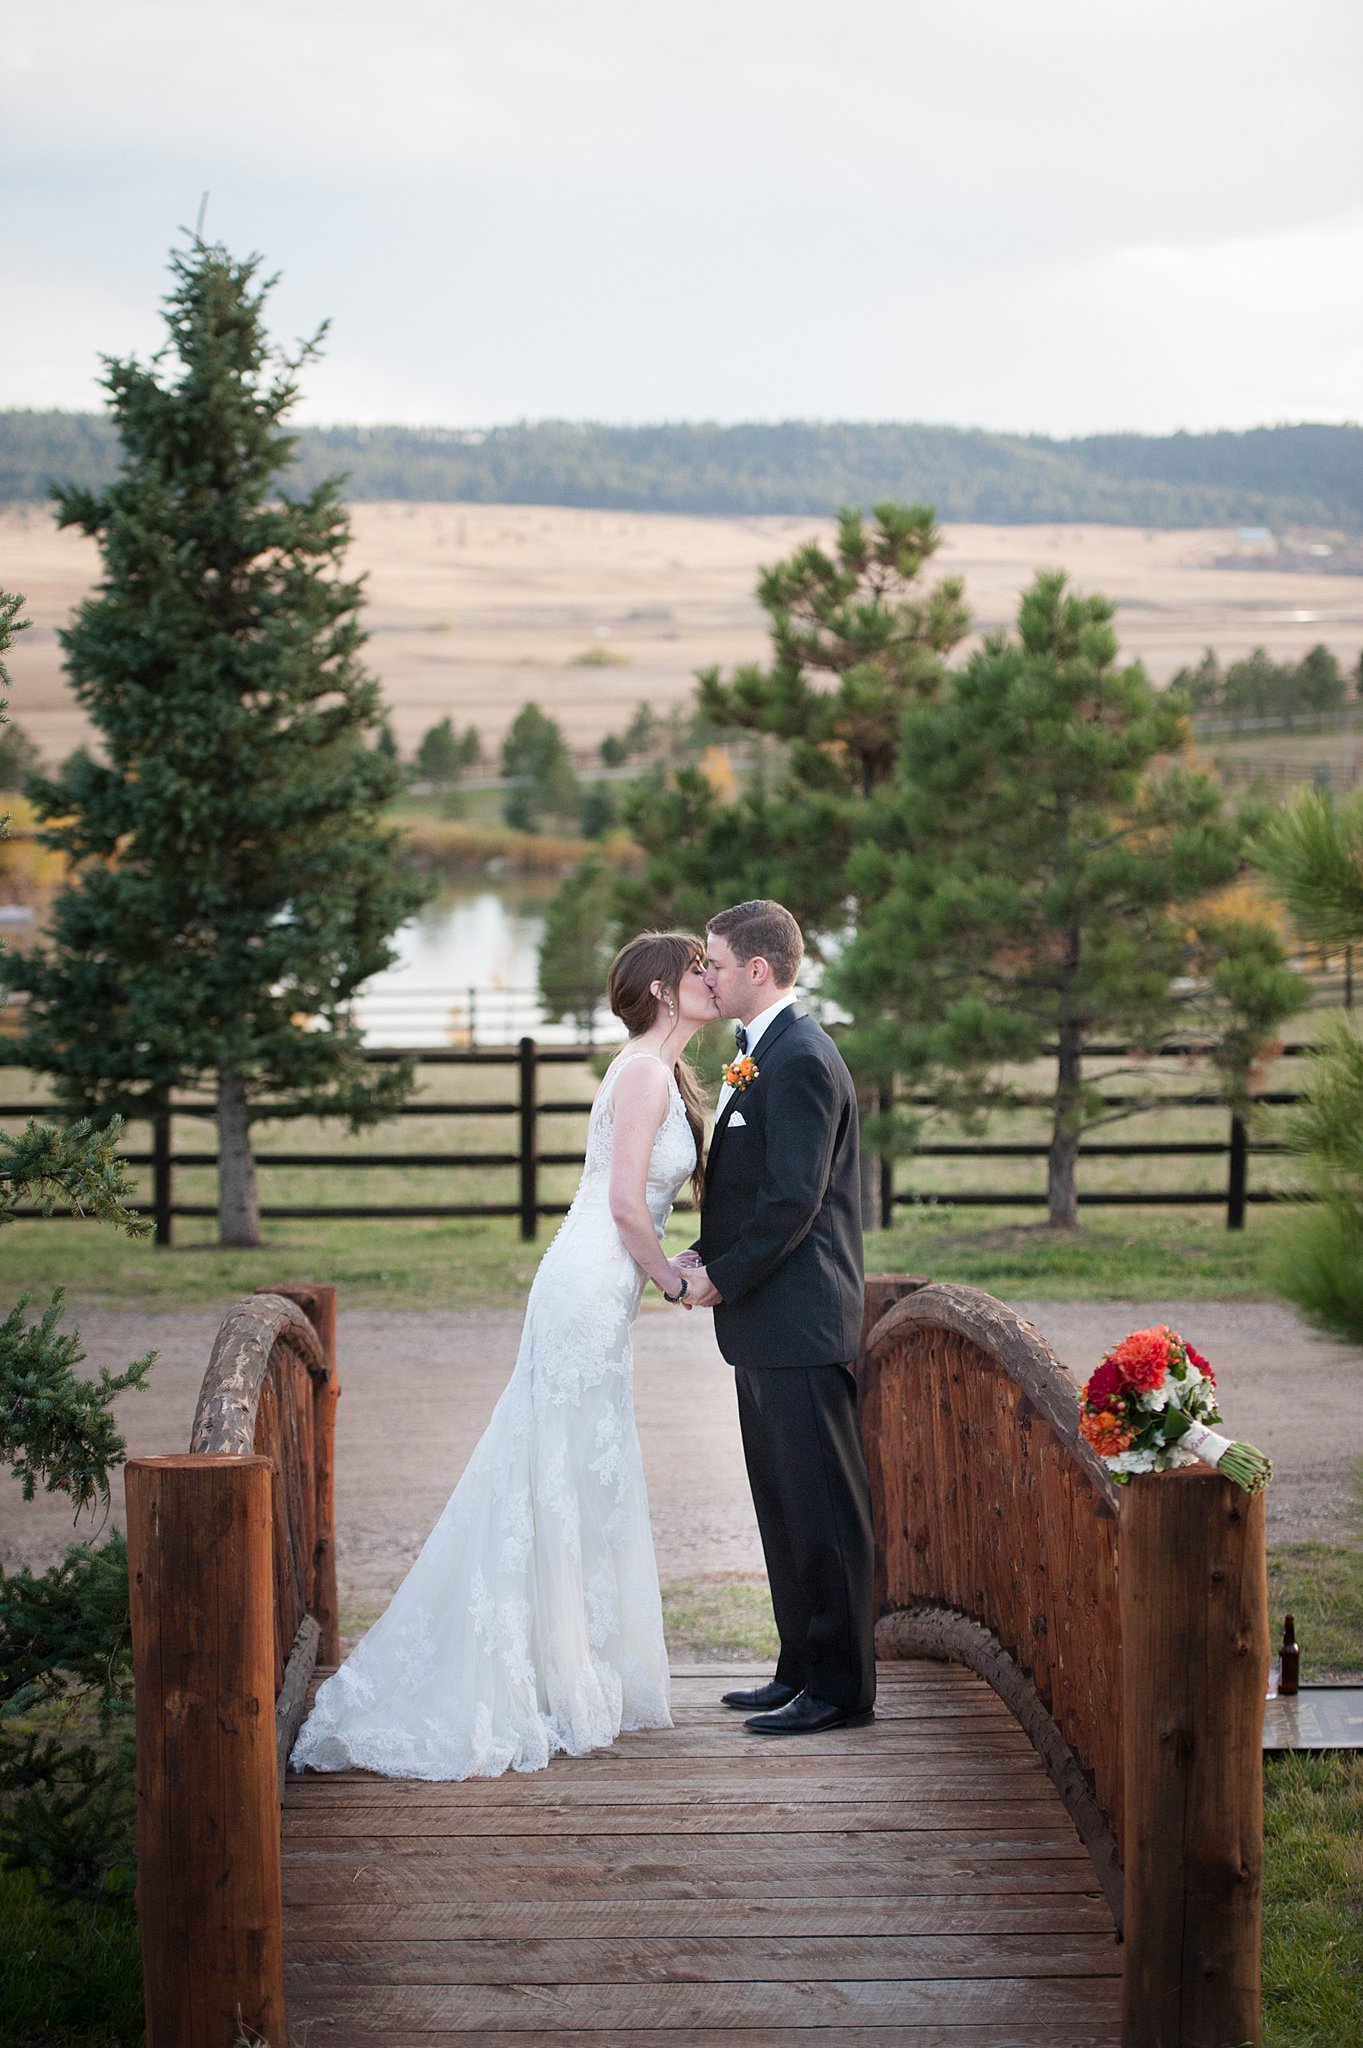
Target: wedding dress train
x=531, y=1621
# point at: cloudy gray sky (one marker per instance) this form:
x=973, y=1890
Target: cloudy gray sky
x=1059, y=216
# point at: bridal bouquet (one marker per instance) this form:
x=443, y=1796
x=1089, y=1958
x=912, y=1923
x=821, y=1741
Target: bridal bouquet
x=1149, y=1406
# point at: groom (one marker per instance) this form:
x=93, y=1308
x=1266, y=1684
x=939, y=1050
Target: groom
x=779, y=1260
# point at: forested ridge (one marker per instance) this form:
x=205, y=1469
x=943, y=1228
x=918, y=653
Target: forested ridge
x=1268, y=476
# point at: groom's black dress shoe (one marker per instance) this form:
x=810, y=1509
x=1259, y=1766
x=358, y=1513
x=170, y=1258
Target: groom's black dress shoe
x=762, y=1698
x=806, y=1715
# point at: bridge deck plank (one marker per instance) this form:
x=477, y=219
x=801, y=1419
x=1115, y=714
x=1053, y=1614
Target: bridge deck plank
x=912, y=1881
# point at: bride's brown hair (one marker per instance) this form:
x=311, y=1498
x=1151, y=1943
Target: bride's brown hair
x=663, y=957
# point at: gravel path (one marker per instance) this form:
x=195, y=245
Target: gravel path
x=417, y=1389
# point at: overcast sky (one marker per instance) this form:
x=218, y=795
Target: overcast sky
x=1060, y=216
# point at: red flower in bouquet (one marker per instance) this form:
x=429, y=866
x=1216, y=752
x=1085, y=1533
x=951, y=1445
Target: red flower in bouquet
x=1195, y=1358
x=1105, y=1386
x=1143, y=1358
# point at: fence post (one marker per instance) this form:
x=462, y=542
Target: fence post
x=161, y=1171
x=201, y=1580
x=529, y=1143
x=1238, y=1177
x=886, y=1168
x=1194, y=1613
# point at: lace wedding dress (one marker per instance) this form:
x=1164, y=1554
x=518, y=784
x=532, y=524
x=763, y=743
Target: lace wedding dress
x=531, y=1621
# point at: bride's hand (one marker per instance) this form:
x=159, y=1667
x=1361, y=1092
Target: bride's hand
x=673, y=1287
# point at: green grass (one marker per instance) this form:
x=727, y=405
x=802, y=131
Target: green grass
x=66, y=1984
x=1144, y=1254
x=1313, y=1817
x=1321, y=1586
x=1313, y=1901
x=409, y=1265
x=724, y=1617
x=462, y=1264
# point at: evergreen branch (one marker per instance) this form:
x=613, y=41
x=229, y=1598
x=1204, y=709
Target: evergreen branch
x=76, y=1166
x=55, y=1426
x=1312, y=855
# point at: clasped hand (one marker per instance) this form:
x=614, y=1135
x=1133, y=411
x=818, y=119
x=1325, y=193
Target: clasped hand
x=701, y=1291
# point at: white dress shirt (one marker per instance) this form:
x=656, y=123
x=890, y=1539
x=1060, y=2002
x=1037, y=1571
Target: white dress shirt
x=755, y=1030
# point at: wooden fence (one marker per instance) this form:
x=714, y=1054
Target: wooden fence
x=232, y=1569
x=528, y=1158
x=1125, y=1628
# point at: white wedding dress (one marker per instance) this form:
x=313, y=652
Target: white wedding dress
x=531, y=1621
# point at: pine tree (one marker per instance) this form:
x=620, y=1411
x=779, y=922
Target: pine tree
x=535, y=759
x=855, y=641
x=1312, y=854
x=66, y=1778
x=1029, y=880
x=232, y=885
x=574, y=953
x=438, y=755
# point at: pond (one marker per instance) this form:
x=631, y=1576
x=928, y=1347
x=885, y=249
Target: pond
x=467, y=971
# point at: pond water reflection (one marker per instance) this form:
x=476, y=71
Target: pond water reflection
x=467, y=971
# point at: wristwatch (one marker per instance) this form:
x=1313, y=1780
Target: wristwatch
x=680, y=1295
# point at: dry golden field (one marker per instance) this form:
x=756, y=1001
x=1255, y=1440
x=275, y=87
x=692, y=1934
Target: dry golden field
x=473, y=609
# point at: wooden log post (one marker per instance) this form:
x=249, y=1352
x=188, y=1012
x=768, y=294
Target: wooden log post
x=208, y=1853
x=1194, y=1610
x=318, y=1303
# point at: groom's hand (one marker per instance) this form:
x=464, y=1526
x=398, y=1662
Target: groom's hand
x=701, y=1291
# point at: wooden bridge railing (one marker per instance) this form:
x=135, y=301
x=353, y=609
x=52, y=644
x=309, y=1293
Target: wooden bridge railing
x=1126, y=1628
x=232, y=1564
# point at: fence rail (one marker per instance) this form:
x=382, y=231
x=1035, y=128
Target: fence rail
x=528, y=1159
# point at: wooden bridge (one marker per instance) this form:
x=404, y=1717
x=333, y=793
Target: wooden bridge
x=1066, y=1747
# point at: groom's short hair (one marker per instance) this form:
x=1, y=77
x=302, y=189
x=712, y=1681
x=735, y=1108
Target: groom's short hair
x=766, y=930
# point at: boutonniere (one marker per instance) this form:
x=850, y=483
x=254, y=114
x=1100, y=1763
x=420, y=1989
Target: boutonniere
x=740, y=1074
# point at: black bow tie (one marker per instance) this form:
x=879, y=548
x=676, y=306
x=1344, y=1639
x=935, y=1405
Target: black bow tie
x=741, y=1037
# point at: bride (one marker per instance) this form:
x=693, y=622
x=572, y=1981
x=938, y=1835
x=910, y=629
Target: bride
x=531, y=1622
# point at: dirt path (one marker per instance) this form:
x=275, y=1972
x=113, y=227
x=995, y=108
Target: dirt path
x=418, y=1389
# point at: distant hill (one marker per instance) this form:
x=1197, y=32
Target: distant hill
x=1270, y=476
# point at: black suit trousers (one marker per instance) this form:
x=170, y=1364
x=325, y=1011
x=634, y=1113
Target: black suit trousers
x=802, y=1443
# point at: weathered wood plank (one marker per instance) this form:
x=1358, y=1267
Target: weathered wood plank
x=741, y=1959
x=438, y=1878
x=787, y=1819
x=1019, y=1777
x=1013, y=2034
x=473, y=2009
x=346, y=1918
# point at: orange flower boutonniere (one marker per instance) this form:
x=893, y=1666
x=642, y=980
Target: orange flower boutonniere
x=740, y=1074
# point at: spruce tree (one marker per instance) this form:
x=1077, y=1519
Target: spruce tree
x=66, y=1776
x=232, y=886
x=1034, y=876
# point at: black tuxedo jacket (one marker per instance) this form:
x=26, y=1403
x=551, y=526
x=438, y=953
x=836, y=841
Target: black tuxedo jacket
x=780, y=1219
